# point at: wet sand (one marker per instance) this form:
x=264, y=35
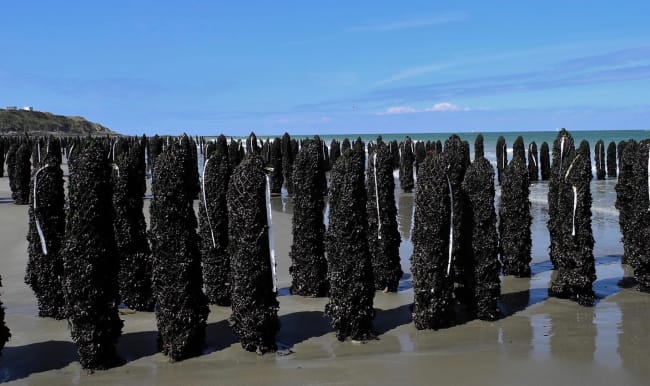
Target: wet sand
x=541, y=341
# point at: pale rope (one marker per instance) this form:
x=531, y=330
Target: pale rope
x=269, y=220
x=374, y=164
x=570, y=167
x=575, y=204
x=205, y=203
x=114, y=166
x=559, y=198
x=532, y=156
x=38, y=145
x=38, y=224
x=451, y=224
x=575, y=196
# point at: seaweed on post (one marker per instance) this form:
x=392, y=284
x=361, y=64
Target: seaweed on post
x=181, y=306
x=431, y=261
x=213, y=225
x=308, y=264
x=349, y=266
x=533, y=168
x=514, y=215
x=611, y=160
x=407, y=158
x=134, y=276
x=89, y=263
x=420, y=154
x=478, y=185
x=383, y=236
x=254, y=304
x=45, y=238
x=576, y=265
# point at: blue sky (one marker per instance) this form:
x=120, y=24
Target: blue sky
x=307, y=67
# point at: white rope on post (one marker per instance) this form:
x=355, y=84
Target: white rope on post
x=374, y=164
x=269, y=220
x=559, y=197
x=451, y=225
x=205, y=203
x=532, y=156
x=38, y=223
x=575, y=204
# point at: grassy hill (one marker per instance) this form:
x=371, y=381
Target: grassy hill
x=42, y=123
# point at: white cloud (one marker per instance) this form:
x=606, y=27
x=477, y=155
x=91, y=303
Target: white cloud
x=442, y=106
x=445, y=106
x=394, y=110
x=443, y=18
x=413, y=72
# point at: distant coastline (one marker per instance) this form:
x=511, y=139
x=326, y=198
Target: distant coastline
x=21, y=121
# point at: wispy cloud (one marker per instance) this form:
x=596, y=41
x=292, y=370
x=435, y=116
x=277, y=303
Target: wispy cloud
x=395, y=25
x=445, y=106
x=413, y=72
x=395, y=110
x=442, y=106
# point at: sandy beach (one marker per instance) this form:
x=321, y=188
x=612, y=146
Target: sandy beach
x=540, y=341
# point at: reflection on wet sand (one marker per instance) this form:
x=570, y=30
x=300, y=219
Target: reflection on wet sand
x=634, y=333
x=573, y=332
x=405, y=213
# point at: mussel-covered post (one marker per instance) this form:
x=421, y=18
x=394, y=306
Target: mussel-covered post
x=287, y=163
x=308, y=265
x=502, y=157
x=599, y=158
x=254, y=294
x=276, y=167
x=576, y=265
x=457, y=158
x=433, y=285
x=4, y=330
x=90, y=264
x=611, y=159
x=641, y=223
x=11, y=166
x=479, y=187
x=406, y=165
x=22, y=173
x=514, y=215
x=558, y=192
x=383, y=236
x=348, y=260
x=181, y=306
x=45, y=237
x=533, y=169
x=213, y=224
x=545, y=161
x=625, y=187
x=136, y=289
